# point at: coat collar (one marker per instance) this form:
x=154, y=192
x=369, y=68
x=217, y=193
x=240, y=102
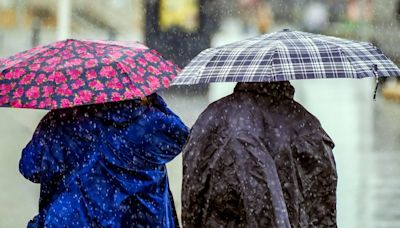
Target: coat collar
x=274, y=89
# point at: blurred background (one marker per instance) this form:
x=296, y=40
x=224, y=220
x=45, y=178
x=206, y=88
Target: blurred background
x=366, y=132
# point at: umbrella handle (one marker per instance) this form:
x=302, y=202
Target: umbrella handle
x=376, y=89
x=375, y=70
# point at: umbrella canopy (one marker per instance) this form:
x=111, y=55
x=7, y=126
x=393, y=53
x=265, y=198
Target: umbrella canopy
x=79, y=72
x=287, y=55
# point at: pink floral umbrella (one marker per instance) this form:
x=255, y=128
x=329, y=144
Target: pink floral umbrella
x=79, y=72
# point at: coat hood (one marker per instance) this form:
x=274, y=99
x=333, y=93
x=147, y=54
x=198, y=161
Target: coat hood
x=274, y=89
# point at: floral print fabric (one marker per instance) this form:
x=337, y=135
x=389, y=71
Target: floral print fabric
x=79, y=72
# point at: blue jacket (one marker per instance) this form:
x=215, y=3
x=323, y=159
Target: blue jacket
x=104, y=165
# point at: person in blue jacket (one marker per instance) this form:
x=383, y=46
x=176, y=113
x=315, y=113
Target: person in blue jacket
x=104, y=165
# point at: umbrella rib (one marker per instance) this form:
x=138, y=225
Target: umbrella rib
x=286, y=55
x=339, y=47
x=113, y=43
x=30, y=57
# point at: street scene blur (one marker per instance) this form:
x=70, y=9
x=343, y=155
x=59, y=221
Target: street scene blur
x=364, y=130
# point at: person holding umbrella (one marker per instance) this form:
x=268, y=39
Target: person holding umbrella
x=103, y=165
x=100, y=153
x=257, y=158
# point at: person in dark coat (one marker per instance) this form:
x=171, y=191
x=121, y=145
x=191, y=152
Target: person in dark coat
x=104, y=165
x=257, y=158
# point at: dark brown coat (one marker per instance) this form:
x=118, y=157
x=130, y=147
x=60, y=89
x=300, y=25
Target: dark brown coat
x=257, y=158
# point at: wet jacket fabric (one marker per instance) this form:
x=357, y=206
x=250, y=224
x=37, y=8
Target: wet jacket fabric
x=257, y=158
x=104, y=165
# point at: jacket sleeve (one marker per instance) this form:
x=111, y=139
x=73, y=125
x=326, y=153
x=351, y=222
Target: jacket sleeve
x=156, y=137
x=240, y=186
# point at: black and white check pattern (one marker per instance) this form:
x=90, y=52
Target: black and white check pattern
x=286, y=55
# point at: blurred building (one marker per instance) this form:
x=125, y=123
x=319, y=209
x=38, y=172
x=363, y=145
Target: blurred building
x=180, y=29
x=100, y=19
x=385, y=27
x=316, y=16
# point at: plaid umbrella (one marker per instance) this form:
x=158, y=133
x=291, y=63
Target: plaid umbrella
x=287, y=55
x=79, y=72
